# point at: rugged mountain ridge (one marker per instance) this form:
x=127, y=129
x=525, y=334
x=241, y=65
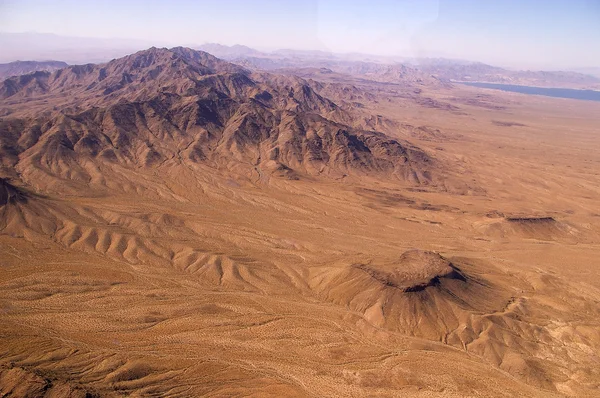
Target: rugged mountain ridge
x=167, y=107
x=130, y=77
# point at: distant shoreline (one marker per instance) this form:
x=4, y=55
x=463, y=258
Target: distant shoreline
x=556, y=92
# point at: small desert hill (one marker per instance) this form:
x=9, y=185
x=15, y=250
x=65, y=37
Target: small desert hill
x=543, y=228
x=462, y=302
x=419, y=293
x=18, y=68
x=166, y=108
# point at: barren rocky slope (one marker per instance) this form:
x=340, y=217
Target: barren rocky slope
x=182, y=106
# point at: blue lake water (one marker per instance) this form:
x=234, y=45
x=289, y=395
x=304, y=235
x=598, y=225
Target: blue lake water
x=589, y=95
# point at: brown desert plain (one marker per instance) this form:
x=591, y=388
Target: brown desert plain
x=175, y=225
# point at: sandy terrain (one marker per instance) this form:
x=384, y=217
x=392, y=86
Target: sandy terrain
x=171, y=279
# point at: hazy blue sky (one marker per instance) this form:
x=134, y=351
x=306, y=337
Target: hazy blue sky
x=524, y=33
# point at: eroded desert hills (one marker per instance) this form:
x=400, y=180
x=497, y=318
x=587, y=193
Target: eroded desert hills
x=172, y=224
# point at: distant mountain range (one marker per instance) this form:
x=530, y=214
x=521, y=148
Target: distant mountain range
x=24, y=67
x=389, y=69
x=35, y=46
x=229, y=52
x=479, y=72
x=589, y=71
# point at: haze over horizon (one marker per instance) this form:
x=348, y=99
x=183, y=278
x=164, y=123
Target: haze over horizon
x=531, y=34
